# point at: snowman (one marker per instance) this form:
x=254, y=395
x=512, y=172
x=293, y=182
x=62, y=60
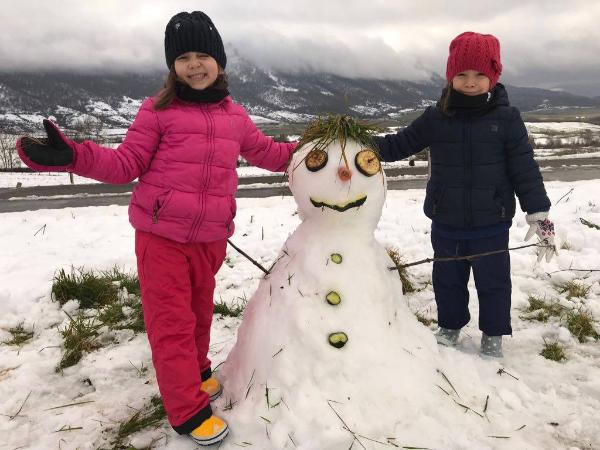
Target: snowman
x=328, y=355
x=329, y=318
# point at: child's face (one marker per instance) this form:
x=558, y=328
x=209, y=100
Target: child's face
x=471, y=82
x=198, y=70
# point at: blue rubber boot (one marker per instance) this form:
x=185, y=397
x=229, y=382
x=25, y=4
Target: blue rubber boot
x=491, y=346
x=447, y=337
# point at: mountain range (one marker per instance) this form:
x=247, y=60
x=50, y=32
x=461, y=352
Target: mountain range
x=114, y=98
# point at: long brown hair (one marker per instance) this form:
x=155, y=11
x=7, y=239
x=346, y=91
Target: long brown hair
x=445, y=99
x=168, y=93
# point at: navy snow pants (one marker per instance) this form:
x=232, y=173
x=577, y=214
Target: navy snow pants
x=492, y=280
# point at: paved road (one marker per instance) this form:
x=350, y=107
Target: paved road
x=14, y=200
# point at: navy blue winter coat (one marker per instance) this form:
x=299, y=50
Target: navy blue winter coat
x=479, y=160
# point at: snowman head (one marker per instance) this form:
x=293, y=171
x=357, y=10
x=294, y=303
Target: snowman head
x=335, y=174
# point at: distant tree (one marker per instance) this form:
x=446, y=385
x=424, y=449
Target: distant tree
x=88, y=128
x=9, y=159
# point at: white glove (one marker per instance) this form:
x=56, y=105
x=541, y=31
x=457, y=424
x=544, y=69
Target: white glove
x=540, y=224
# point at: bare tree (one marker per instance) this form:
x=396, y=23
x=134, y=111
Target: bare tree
x=88, y=128
x=9, y=159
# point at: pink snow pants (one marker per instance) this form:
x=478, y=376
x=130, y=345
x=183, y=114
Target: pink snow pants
x=177, y=283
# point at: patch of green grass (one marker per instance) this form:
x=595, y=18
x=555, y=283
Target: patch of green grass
x=553, y=351
x=79, y=337
x=224, y=309
x=111, y=314
x=19, y=335
x=92, y=290
x=152, y=415
x=128, y=281
x=407, y=285
x=424, y=320
x=543, y=309
x=114, y=316
x=581, y=325
x=573, y=289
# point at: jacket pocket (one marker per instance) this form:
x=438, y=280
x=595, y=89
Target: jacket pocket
x=232, y=210
x=438, y=198
x=160, y=204
x=488, y=199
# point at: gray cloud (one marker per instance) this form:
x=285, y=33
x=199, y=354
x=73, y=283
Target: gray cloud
x=551, y=44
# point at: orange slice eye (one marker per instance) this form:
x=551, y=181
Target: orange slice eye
x=316, y=160
x=367, y=162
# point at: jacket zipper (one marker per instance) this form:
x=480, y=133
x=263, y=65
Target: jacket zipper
x=468, y=160
x=202, y=194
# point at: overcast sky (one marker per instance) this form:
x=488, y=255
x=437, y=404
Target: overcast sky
x=545, y=43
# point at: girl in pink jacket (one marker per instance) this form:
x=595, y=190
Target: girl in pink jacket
x=183, y=146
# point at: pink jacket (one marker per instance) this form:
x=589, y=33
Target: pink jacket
x=185, y=157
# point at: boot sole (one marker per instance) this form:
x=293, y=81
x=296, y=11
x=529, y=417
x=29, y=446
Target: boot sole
x=213, y=440
x=446, y=342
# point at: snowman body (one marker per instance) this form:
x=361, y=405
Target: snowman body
x=327, y=331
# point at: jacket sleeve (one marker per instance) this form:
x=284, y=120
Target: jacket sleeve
x=262, y=151
x=129, y=160
x=406, y=142
x=523, y=170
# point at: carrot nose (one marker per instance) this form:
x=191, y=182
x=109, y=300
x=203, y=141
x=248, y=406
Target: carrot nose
x=344, y=173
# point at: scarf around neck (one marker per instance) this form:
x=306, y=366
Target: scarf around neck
x=459, y=100
x=208, y=95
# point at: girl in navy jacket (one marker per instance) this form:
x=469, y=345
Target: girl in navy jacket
x=480, y=158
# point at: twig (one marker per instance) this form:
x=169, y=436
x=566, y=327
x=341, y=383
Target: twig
x=267, y=395
x=487, y=398
x=49, y=346
x=70, y=428
x=70, y=404
x=346, y=427
x=574, y=270
x=448, y=381
x=589, y=224
x=372, y=440
x=248, y=257
x=459, y=258
x=502, y=370
x=559, y=200
x=443, y=390
x=22, y=404
x=250, y=383
x=42, y=229
x=290, y=436
x=467, y=408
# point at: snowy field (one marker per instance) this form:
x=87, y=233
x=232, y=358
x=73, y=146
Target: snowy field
x=555, y=405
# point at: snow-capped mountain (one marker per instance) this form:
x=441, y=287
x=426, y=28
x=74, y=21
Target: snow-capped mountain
x=25, y=98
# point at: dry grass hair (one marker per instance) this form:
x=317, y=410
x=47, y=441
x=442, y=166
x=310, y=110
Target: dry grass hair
x=321, y=132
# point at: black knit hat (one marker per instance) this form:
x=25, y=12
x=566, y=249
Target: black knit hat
x=193, y=32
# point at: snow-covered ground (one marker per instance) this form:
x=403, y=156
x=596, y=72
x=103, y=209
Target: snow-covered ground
x=548, y=401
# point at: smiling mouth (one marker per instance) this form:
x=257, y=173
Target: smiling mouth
x=341, y=207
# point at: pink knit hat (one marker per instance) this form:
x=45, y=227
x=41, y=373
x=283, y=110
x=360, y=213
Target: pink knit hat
x=474, y=51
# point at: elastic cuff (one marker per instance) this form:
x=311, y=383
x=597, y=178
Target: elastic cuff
x=206, y=374
x=194, y=422
x=533, y=218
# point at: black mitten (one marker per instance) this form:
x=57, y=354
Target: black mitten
x=50, y=151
